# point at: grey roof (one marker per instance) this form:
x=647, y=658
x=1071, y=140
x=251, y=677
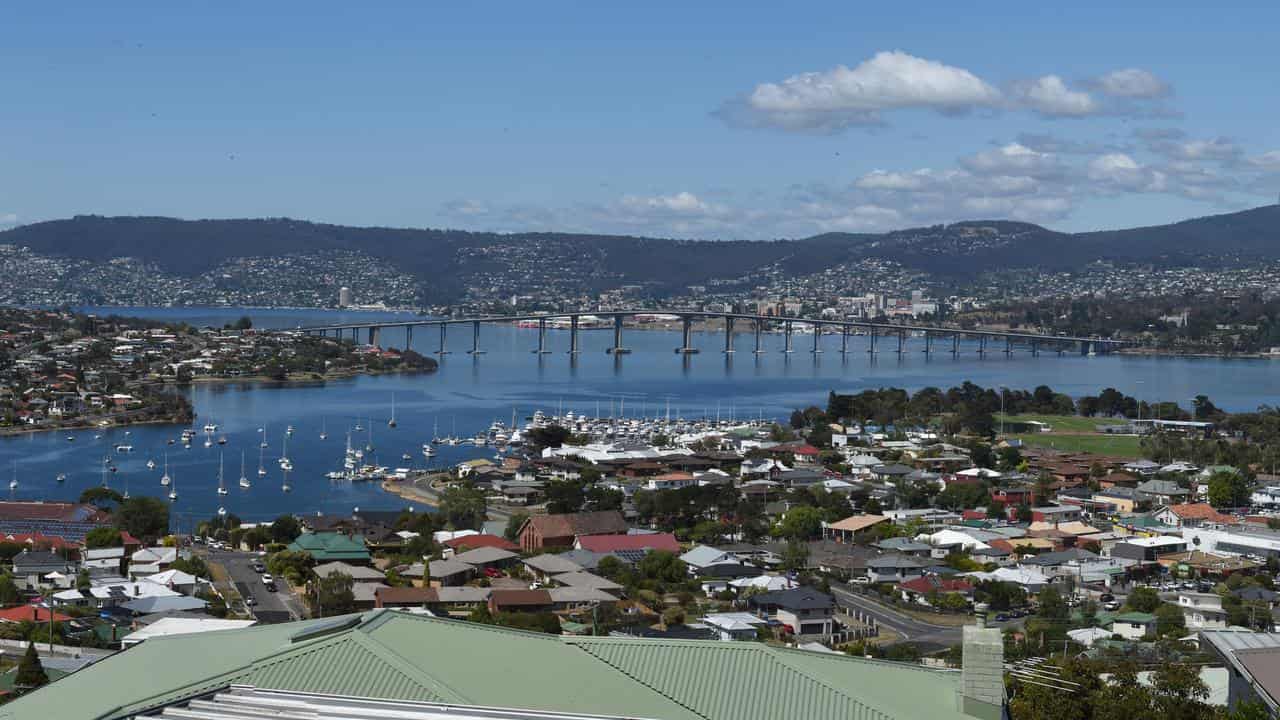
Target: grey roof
x=357, y=573
x=586, y=558
x=482, y=555
x=801, y=598
x=894, y=561
x=1162, y=487
x=586, y=579
x=464, y=594
x=903, y=544
x=149, y=605
x=445, y=568
x=579, y=595
x=552, y=564
x=703, y=555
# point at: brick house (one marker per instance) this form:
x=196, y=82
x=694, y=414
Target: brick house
x=546, y=531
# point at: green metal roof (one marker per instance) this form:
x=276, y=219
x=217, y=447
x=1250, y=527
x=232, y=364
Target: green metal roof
x=328, y=546
x=395, y=655
x=1135, y=617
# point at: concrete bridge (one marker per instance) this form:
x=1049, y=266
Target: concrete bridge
x=949, y=337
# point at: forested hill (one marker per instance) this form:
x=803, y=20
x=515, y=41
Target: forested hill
x=189, y=247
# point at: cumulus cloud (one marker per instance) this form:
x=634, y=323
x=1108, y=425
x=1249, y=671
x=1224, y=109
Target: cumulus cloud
x=1134, y=83
x=1267, y=160
x=841, y=97
x=1013, y=159
x=1219, y=150
x=1122, y=172
x=1051, y=97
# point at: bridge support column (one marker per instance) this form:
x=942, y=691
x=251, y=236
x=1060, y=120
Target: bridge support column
x=1084, y=347
x=374, y=336
x=444, y=330
x=1035, y=348
x=408, y=337
x=928, y=344
x=871, y=350
x=573, y=334
x=728, y=335
x=902, y=342
x=475, y=339
x=982, y=346
x=617, y=348
x=542, y=337
x=844, y=339
x=786, y=333
x=817, y=338
x=955, y=345
x=686, y=337
x=759, y=324
x=1008, y=347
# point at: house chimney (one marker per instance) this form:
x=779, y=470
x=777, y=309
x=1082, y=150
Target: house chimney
x=982, y=673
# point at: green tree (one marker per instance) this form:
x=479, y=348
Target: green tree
x=31, y=674
x=1169, y=620
x=336, y=594
x=101, y=497
x=1143, y=599
x=285, y=529
x=9, y=594
x=83, y=581
x=800, y=523
x=102, y=537
x=795, y=556
x=463, y=508
x=1051, y=605
x=663, y=566
x=194, y=565
x=1228, y=489
x=143, y=517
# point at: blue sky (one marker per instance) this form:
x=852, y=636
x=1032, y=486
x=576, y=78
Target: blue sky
x=752, y=120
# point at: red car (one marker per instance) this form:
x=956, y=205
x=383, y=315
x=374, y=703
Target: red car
x=492, y=572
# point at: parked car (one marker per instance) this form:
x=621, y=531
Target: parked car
x=1111, y=606
x=267, y=579
x=250, y=600
x=861, y=580
x=492, y=572
x=1106, y=597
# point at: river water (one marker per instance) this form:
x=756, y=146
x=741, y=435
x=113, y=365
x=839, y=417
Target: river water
x=470, y=392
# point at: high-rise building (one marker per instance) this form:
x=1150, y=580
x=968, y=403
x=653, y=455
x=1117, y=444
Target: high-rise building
x=344, y=297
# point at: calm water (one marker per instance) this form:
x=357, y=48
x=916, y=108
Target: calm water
x=468, y=393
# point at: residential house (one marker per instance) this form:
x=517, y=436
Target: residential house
x=543, y=567
x=547, y=531
x=37, y=569
x=1162, y=492
x=520, y=601
x=645, y=542
x=921, y=589
x=1134, y=625
x=331, y=546
x=802, y=611
x=357, y=573
x=702, y=557
x=734, y=625
x=151, y=560
x=483, y=558
x=448, y=573
x=851, y=528
x=1190, y=515
x=1202, y=611
x=894, y=568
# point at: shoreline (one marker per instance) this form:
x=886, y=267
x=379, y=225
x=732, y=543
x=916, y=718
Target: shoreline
x=409, y=489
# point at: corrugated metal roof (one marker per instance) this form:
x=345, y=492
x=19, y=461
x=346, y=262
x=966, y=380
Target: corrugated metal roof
x=1232, y=641
x=399, y=656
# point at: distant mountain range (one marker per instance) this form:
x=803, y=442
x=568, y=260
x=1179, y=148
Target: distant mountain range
x=446, y=258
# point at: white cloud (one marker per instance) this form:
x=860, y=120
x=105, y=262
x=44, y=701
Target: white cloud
x=1050, y=96
x=1134, y=83
x=1013, y=159
x=841, y=97
x=1267, y=160
x=1121, y=172
x=8, y=218
x=1219, y=149
x=680, y=204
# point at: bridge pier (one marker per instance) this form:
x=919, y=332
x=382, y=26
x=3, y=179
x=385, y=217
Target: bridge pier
x=444, y=330
x=786, y=333
x=617, y=348
x=844, y=339
x=542, y=337
x=1008, y=346
x=759, y=324
x=728, y=335
x=955, y=345
x=475, y=339
x=573, y=335
x=982, y=346
x=817, y=338
x=1084, y=347
x=1035, y=348
x=872, y=336
x=686, y=336
x=408, y=337
x=928, y=344
x=902, y=342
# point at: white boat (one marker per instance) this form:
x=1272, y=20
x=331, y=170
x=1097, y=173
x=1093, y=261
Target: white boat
x=208, y=442
x=324, y=433
x=173, y=490
x=428, y=451
x=286, y=487
x=222, y=487
x=222, y=439
x=13, y=484
x=288, y=430
x=284, y=454
x=262, y=471
x=124, y=448
x=221, y=511
x=244, y=479
x=62, y=477
x=151, y=464
x=71, y=438
x=210, y=428
x=164, y=479
x=286, y=465
x=392, y=422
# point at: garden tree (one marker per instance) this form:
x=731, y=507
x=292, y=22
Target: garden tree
x=980, y=454
x=83, y=581
x=1143, y=599
x=795, y=556
x=419, y=547
x=1000, y=595
x=603, y=498
x=295, y=566
x=194, y=565
x=462, y=507
x=995, y=509
x=565, y=496
x=1024, y=513
x=1169, y=620
x=1008, y=458
x=9, y=594
x=1180, y=693
x=1249, y=710
x=1204, y=409
x=101, y=497
x=244, y=323
x=1051, y=605
x=334, y=593
x=962, y=496
x=800, y=523
x=514, y=523
x=285, y=529
x=872, y=507
x=611, y=567
x=1228, y=489
x=103, y=537
x=1040, y=702
x=1123, y=697
x=143, y=517
x=662, y=566
x=777, y=433
x=31, y=674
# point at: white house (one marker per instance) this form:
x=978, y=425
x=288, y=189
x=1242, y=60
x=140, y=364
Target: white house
x=734, y=625
x=1202, y=611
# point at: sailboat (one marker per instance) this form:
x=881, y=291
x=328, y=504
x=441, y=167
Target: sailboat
x=392, y=422
x=244, y=479
x=262, y=471
x=126, y=488
x=151, y=464
x=263, y=444
x=286, y=487
x=62, y=477
x=13, y=484
x=173, y=489
x=164, y=479
x=324, y=433
x=222, y=487
x=285, y=462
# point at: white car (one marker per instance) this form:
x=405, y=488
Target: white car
x=267, y=579
x=861, y=580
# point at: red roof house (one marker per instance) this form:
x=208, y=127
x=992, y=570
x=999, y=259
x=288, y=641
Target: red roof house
x=31, y=613
x=613, y=543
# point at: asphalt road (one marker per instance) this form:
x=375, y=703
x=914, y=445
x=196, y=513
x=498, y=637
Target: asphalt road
x=270, y=607
x=911, y=629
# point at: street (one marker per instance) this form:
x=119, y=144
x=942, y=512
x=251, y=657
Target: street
x=269, y=607
x=911, y=629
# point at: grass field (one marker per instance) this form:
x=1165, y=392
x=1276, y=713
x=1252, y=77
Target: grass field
x=1122, y=445
x=1062, y=423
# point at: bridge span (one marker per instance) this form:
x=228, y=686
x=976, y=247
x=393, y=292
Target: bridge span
x=949, y=337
